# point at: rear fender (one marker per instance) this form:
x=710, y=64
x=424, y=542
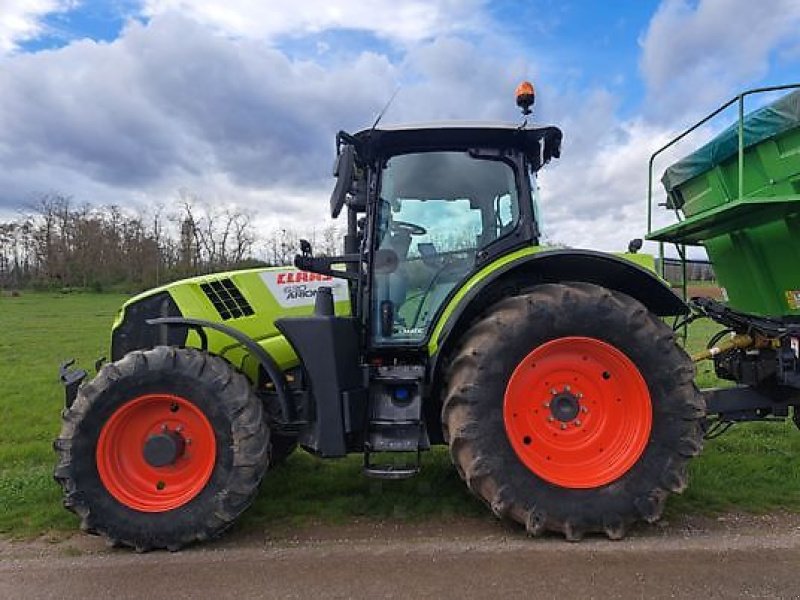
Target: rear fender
x=553, y=266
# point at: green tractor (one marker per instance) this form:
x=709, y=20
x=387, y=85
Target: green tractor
x=551, y=374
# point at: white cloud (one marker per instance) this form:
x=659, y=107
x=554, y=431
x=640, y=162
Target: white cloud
x=696, y=54
x=21, y=20
x=403, y=21
x=173, y=105
x=169, y=105
x=595, y=195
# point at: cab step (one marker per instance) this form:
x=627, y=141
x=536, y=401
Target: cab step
x=391, y=471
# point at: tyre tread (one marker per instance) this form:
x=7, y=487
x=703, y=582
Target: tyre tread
x=250, y=440
x=473, y=359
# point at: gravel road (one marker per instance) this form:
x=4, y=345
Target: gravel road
x=730, y=557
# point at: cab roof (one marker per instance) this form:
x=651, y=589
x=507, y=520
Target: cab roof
x=540, y=144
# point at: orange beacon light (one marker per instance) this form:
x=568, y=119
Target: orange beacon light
x=525, y=96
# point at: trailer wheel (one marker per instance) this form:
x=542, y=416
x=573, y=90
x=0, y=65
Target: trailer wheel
x=163, y=448
x=571, y=409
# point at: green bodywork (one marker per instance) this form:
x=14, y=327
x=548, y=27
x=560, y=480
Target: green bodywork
x=752, y=235
x=193, y=302
x=643, y=260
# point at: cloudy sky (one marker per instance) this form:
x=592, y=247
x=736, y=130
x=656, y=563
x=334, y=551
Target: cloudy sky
x=237, y=101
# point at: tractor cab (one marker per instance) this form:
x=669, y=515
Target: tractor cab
x=427, y=207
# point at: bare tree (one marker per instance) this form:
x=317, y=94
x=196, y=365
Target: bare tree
x=57, y=242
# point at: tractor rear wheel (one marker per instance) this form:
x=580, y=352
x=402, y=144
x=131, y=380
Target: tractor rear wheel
x=571, y=409
x=163, y=448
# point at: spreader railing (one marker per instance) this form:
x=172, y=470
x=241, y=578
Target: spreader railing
x=681, y=248
x=736, y=99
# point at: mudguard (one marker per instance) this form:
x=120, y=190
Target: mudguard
x=627, y=274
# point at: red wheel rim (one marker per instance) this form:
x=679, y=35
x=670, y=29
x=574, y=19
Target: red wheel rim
x=130, y=478
x=577, y=412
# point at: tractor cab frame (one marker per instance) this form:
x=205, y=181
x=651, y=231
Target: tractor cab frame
x=455, y=176
x=470, y=187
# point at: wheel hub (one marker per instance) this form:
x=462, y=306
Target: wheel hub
x=577, y=412
x=156, y=452
x=164, y=448
x=565, y=406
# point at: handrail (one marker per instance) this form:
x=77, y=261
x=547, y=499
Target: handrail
x=738, y=98
x=681, y=248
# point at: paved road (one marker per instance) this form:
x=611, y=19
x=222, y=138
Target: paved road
x=481, y=561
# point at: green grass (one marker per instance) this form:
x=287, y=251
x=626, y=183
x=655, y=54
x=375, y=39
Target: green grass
x=37, y=331
x=308, y=490
x=754, y=468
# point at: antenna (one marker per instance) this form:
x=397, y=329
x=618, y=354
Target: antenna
x=385, y=108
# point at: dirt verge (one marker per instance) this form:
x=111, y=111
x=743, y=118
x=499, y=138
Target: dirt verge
x=728, y=556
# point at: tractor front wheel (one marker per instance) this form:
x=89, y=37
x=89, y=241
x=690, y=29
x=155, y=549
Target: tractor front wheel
x=571, y=409
x=163, y=448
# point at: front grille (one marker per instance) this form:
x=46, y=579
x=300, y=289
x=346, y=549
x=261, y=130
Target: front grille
x=227, y=299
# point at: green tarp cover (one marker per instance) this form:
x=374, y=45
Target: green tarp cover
x=766, y=122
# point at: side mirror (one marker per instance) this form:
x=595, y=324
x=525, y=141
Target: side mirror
x=343, y=170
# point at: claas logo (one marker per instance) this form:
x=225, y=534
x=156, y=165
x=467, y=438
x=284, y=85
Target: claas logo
x=300, y=277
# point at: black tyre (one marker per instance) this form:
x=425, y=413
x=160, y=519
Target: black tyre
x=571, y=409
x=163, y=448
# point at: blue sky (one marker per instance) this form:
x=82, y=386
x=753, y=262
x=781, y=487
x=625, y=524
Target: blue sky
x=135, y=102
x=587, y=47
x=98, y=20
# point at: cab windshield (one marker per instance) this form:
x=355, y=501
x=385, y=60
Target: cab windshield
x=436, y=211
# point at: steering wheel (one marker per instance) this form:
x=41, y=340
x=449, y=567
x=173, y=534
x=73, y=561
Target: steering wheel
x=409, y=228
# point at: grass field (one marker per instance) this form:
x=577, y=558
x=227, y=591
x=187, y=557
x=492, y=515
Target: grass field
x=754, y=468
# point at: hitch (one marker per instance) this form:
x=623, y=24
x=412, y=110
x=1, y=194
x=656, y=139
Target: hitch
x=71, y=379
x=743, y=403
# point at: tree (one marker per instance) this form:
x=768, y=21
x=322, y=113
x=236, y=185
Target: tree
x=58, y=243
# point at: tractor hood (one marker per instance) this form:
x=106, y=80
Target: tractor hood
x=249, y=301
